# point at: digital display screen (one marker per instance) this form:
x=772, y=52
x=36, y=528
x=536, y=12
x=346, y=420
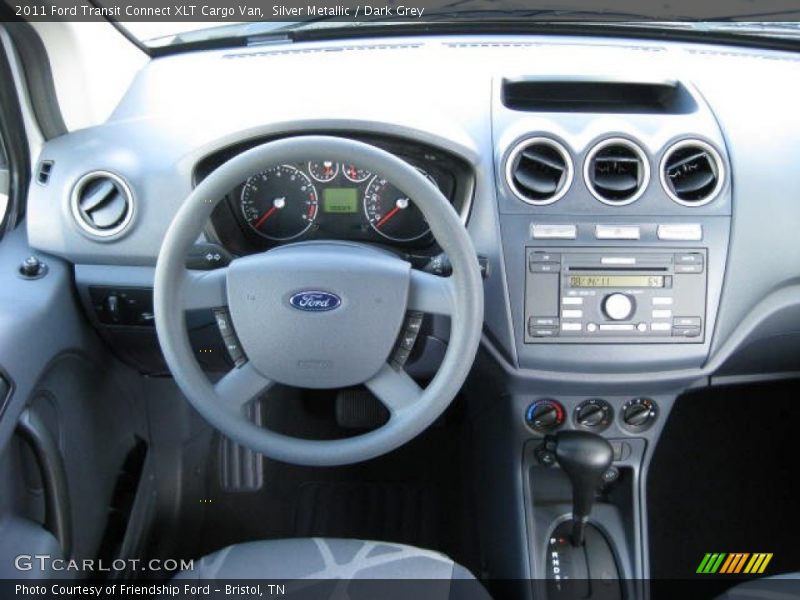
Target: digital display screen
x=340, y=200
x=612, y=281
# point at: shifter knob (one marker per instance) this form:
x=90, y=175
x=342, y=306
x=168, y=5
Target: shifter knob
x=584, y=457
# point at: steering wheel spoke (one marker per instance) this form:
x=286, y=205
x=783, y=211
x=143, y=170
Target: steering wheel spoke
x=205, y=289
x=394, y=388
x=431, y=293
x=240, y=386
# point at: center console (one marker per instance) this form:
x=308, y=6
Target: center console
x=614, y=228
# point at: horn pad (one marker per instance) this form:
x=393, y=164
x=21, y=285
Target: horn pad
x=318, y=314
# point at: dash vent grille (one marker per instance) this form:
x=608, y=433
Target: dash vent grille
x=539, y=171
x=102, y=204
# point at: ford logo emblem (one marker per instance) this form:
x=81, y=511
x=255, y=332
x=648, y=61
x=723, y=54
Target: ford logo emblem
x=315, y=301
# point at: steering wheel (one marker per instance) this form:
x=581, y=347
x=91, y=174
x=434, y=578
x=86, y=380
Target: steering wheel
x=318, y=314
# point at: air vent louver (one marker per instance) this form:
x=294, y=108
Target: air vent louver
x=539, y=171
x=102, y=204
x=691, y=173
x=617, y=172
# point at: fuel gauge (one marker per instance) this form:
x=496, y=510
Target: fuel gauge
x=355, y=174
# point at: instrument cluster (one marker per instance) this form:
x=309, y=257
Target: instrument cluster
x=333, y=199
x=286, y=202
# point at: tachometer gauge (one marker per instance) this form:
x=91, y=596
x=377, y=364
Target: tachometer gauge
x=391, y=213
x=323, y=171
x=355, y=174
x=279, y=203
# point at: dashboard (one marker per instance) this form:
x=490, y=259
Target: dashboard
x=334, y=199
x=607, y=162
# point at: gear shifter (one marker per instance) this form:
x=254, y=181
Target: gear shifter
x=584, y=457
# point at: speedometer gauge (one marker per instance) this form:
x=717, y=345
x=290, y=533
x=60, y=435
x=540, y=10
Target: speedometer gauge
x=279, y=203
x=391, y=212
x=323, y=170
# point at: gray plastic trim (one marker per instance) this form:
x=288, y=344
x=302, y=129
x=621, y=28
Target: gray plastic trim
x=714, y=154
x=556, y=145
x=93, y=232
x=617, y=141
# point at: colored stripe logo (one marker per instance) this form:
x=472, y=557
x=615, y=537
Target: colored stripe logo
x=734, y=562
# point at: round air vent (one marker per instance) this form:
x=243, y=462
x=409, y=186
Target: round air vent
x=692, y=173
x=102, y=204
x=616, y=171
x=539, y=171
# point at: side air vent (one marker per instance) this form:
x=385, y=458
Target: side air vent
x=44, y=172
x=692, y=173
x=102, y=204
x=539, y=171
x=617, y=172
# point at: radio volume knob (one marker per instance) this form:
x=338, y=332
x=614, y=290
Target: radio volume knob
x=618, y=307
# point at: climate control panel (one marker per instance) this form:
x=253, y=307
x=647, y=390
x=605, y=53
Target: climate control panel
x=634, y=415
x=607, y=295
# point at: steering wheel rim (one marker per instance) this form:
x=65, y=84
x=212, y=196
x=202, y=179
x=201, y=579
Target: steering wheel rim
x=411, y=409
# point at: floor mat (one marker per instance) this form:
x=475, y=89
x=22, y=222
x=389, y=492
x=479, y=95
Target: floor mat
x=405, y=513
x=724, y=478
x=420, y=494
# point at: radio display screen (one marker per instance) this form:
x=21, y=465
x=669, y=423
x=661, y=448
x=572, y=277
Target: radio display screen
x=613, y=281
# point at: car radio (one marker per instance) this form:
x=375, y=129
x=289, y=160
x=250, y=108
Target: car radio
x=609, y=295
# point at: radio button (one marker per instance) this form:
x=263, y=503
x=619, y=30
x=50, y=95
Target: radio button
x=662, y=314
x=571, y=314
x=545, y=257
x=618, y=307
x=661, y=301
x=690, y=258
x=571, y=326
x=686, y=321
x=689, y=268
x=660, y=327
x=642, y=327
x=537, y=267
x=543, y=322
x=572, y=301
x=543, y=332
x=591, y=327
x=686, y=331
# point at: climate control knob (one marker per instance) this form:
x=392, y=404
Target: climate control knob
x=638, y=414
x=593, y=414
x=618, y=307
x=544, y=415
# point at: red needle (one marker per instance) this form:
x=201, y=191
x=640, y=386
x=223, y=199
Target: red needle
x=388, y=216
x=265, y=216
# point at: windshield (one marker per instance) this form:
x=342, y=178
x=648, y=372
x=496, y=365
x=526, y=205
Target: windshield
x=736, y=18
